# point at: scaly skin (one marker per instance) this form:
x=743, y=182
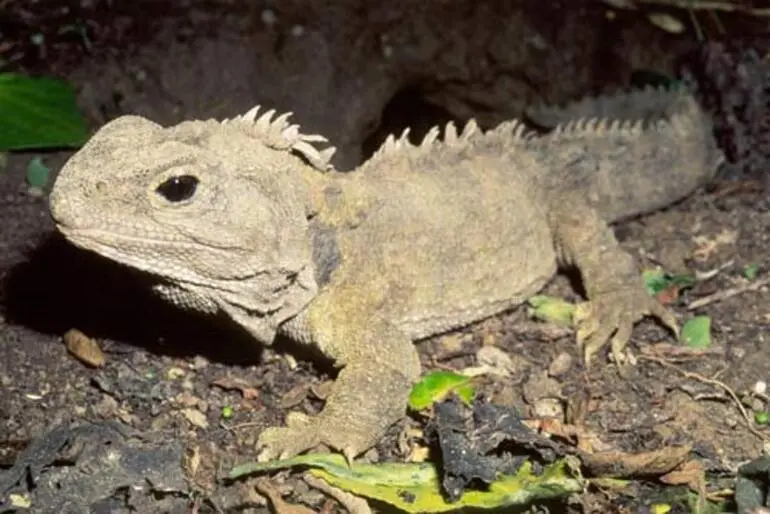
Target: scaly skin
x=246, y=217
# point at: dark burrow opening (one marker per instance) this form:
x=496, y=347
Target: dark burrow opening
x=407, y=108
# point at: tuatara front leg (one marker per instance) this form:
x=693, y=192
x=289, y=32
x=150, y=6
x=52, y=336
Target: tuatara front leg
x=379, y=366
x=617, y=296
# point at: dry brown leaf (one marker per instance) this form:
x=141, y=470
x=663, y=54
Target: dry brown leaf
x=246, y=389
x=352, y=503
x=691, y=474
x=195, y=417
x=83, y=348
x=294, y=396
x=626, y=465
x=587, y=440
x=269, y=491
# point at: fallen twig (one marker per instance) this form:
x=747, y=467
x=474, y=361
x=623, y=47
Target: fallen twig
x=724, y=294
x=700, y=5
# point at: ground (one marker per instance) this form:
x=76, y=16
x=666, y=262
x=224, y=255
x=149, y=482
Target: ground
x=355, y=74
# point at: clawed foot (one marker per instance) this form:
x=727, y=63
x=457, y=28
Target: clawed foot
x=303, y=433
x=610, y=316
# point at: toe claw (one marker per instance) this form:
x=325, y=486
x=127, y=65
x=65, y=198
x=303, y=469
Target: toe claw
x=610, y=317
x=666, y=316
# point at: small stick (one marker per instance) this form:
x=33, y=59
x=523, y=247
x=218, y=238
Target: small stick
x=728, y=293
x=705, y=5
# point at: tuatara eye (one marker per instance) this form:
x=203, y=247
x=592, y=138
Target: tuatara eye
x=179, y=188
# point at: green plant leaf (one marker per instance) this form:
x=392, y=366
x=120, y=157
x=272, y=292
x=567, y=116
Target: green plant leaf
x=38, y=113
x=416, y=487
x=751, y=271
x=37, y=172
x=436, y=386
x=658, y=280
x=696, y=332
x=655, y=280
x=551, y=309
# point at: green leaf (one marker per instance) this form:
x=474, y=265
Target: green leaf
x=416, y=487
x=750, y=272
x=37, y=172
x=696, y=332
x=660, y=508
x=761, y=417
x=436, y=386
x=38, y=113
x=658, y=281
x=655, y=280
x=551, y=309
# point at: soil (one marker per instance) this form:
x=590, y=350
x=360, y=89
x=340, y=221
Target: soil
x=354, y=72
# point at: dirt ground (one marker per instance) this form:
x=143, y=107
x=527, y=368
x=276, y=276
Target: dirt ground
x=353, y=73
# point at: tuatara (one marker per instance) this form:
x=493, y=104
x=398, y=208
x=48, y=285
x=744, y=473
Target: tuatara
x=247, y=217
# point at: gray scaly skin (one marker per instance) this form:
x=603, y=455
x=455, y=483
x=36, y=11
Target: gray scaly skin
x=247, y=217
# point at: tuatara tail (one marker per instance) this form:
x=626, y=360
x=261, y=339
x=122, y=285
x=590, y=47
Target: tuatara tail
x=648, y=105
x=634, y=165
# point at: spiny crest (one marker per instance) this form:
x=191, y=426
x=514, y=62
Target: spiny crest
x=678, y=115
x=277, y=133
x=511, y=132
x=597, y=126
x=402, y=146
x=507, y=132
x=649, y=101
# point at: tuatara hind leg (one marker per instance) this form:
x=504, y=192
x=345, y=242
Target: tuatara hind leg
x=617, y=296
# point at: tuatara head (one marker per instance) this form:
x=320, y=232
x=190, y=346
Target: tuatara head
x=216, y=211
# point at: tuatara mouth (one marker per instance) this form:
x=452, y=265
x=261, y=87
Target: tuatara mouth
x=130, y=252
